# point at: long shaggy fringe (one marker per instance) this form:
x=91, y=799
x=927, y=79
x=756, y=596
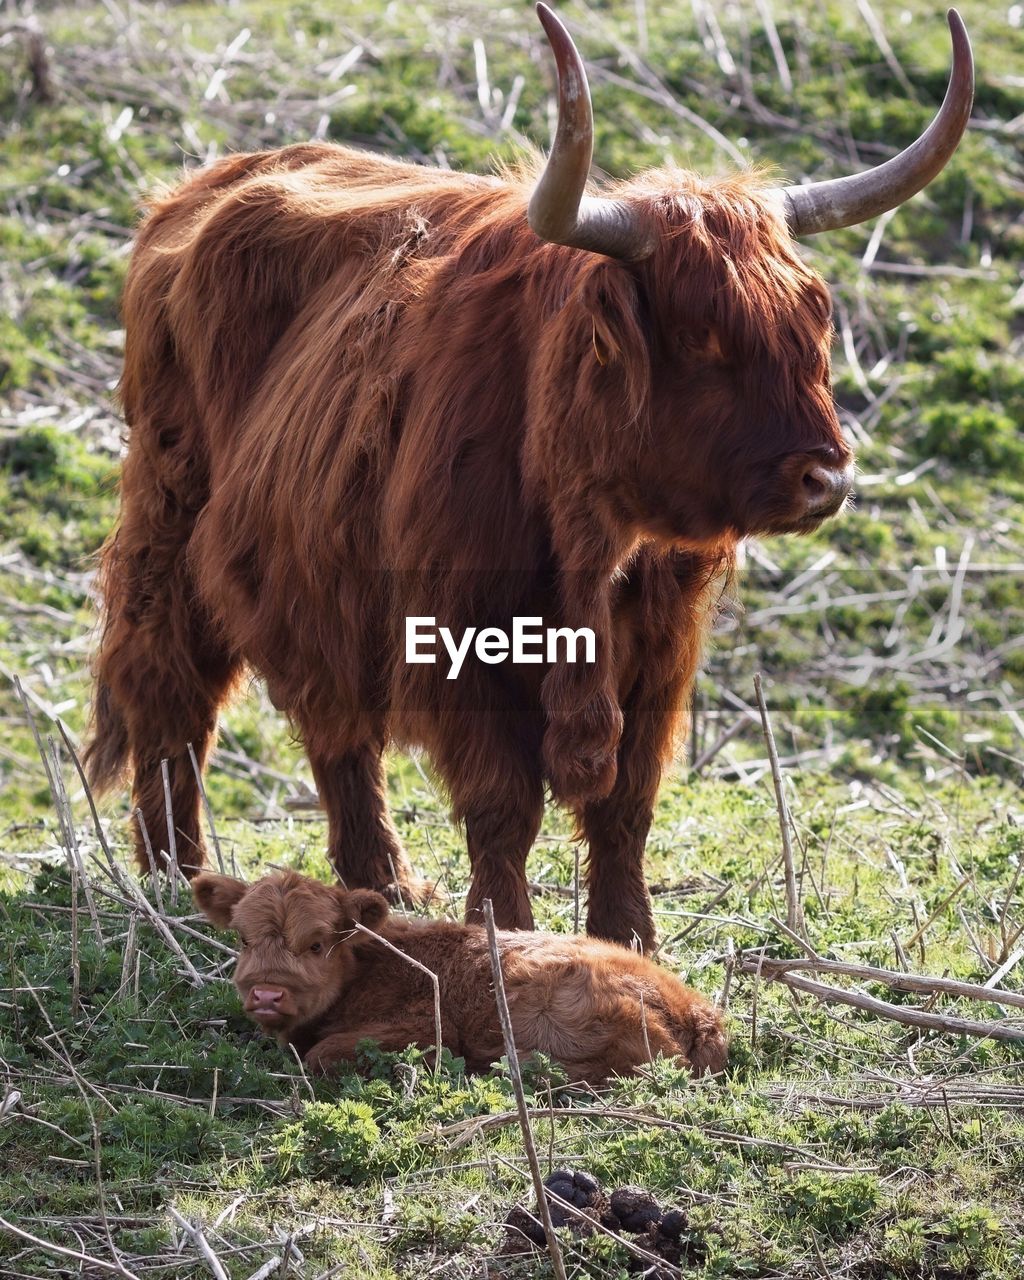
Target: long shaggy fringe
x=359, y=390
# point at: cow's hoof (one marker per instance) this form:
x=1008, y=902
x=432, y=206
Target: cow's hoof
x=413, y=893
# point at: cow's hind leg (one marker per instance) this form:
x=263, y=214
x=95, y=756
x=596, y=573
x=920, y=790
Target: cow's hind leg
x=364, y=847
x=162, y=672
x=180, y=710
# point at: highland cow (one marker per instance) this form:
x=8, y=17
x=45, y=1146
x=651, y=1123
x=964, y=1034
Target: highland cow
x=360, y=391
x=307, y=976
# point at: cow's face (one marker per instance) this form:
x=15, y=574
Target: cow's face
x=295, y=942
x=745, y=438
x=739, y=432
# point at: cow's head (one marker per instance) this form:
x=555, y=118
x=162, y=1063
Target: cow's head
x=295, y=936
x=721, y=331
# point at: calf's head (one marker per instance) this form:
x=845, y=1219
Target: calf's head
x=295, y=940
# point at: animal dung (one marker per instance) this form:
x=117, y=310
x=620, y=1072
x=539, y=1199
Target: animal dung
x=580, y=1189
x=635, y=1208
x=628, y=1211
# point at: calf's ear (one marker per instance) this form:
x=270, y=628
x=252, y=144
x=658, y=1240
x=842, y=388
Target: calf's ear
x=217, y=896
x=364, y=907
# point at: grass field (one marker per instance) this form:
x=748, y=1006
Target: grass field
x=144, y=1129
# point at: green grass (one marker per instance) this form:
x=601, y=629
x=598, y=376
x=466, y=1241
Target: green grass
x=838, y=1143
x=832, y=1132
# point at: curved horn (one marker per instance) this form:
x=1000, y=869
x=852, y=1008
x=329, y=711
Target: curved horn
x=558, y=210
x=842, y=202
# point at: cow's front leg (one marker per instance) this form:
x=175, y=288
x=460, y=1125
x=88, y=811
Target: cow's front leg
x=364, y=847
x=489, y=758
x=583, y=733
x=580, y=698
x=671, y=599
x=500, y=831
x=615, y=829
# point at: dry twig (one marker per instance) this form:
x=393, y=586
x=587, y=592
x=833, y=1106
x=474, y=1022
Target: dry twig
x=777, y=971
x=794, y=913
x=202, y=1245
x=505, y=1018
x=438, y=1043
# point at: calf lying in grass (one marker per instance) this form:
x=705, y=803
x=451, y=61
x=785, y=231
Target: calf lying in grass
x=308, y=977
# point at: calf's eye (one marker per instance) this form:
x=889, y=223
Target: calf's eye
x=317, y=947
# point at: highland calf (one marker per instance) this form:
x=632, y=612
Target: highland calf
x=308, y=977
x=362, y=391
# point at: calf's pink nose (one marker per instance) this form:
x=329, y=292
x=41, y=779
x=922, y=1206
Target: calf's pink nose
x=265, y=997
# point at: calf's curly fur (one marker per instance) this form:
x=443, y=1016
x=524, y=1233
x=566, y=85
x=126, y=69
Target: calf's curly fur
x=307, y=976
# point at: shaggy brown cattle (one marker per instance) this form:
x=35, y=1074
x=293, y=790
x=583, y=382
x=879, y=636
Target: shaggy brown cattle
x=306, y=976
x=360, y=391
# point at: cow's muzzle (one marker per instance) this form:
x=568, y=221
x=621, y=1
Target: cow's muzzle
x=824, y=489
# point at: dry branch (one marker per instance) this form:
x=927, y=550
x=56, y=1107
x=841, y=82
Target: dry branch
x=202, y=1245
x=780, y=971
x=47, y=1246
x=206, y=806
x=522, y=1112
x=466, y=1131
x=923, y=984
x=794, y=914
x=90, y=799
x=423, y=969
x=129, y=887
x=172, y=841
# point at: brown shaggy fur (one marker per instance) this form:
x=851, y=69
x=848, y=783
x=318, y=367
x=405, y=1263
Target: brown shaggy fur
x=306, y=976
x=360, y=390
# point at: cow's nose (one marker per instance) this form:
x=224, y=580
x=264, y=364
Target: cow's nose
x=826, y=488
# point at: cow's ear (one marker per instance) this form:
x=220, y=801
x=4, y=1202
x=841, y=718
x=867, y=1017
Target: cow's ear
x=364, y=907
x=217, y=896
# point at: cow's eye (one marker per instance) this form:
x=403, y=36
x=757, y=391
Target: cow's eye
x=316, y=948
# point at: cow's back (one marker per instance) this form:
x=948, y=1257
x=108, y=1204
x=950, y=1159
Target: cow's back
x=264, y=374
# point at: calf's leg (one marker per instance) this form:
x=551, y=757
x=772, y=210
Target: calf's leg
x=341, y=1047
x=638, y=1040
